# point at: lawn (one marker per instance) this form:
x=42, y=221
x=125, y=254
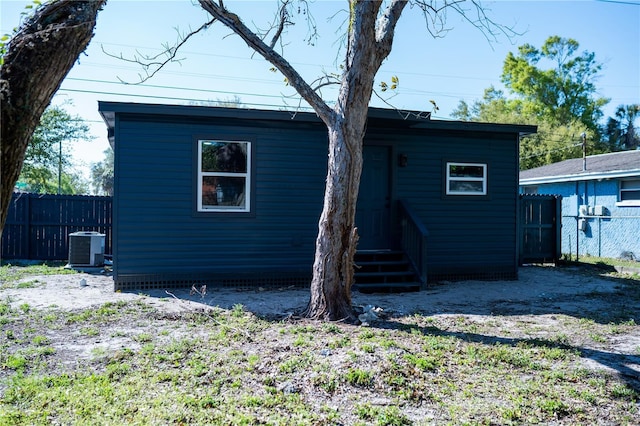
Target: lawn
x=127, y=362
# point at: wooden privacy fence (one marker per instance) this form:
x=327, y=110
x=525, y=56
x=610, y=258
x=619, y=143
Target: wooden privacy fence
x=38, y=226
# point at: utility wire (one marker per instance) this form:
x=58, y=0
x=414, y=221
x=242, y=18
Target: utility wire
x=188, y=89
x=620, y=2
x=550, y=151
x=169, y=98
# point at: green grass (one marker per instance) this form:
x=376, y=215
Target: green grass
x=10, y=275
x=264, y=377
x=231, y=367
x=606, y=261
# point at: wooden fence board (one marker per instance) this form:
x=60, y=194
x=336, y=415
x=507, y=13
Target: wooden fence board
x=38, y=226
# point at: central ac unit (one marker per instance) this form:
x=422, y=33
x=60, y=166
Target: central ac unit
x=86, y=249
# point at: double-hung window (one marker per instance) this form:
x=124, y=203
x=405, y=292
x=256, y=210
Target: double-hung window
x=224, y=182
x=466, y=179
x=629, y=193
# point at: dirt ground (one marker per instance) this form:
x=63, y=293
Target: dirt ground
x=539, y=290
x=542, y=297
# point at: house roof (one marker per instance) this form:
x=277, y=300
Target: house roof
x=379, y=117
x=602, y=166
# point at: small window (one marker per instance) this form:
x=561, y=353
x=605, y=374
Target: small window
x=223, y=176
x=466, y=179
x=629, y=193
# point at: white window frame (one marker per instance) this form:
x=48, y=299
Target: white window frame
x=246, y=175
x=621, y=190
x=482, y=179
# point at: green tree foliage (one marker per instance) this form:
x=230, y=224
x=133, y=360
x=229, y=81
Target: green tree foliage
x=47, y=166
x=550, y=144
x=102, y=174
x=565, y=92
x=561, y=99
x=33, y=62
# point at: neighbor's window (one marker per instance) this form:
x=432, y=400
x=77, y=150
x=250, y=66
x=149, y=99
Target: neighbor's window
x=224, y=176
x=629, y=193
x=466, y=179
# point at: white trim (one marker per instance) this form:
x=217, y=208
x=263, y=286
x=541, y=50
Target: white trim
x=450, y=178
x=246, y=176
x=628, y=203
x=582, y=176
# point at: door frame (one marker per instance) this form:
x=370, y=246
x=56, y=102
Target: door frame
x=391, y=214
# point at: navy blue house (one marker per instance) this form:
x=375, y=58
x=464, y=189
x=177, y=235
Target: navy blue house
x=233, y=196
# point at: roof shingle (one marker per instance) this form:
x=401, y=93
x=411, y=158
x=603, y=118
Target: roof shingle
x=601, y=163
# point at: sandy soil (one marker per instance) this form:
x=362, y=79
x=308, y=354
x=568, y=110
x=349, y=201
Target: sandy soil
x=539, y=290
x=540, y=300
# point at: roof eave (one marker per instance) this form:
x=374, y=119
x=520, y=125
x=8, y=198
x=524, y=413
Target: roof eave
x=615, y=174
x=520, y=129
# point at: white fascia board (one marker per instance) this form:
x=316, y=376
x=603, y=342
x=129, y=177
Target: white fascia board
x=583, y=176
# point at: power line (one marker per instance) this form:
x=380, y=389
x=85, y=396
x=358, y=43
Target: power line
x=403, y=90
x=188, y=89
x=620, y=2
x=168, y=98
x=551, y=151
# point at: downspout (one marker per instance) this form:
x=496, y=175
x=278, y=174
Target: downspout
x=577, y=221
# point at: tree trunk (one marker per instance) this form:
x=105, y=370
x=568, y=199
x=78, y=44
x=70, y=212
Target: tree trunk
x=38, y=58
x=370, y=37
x=337, y=237
x=369, y=44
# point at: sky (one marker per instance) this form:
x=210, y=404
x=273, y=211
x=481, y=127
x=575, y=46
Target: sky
x=216, y=66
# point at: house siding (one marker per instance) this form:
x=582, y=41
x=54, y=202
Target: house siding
x=161, y=239
x=159, y=233
x=469, y=236
x=610, y=235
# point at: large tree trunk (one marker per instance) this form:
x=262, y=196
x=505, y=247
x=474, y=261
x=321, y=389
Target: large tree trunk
x=368, y=45
x=39, y=57
x=370, y=38
x=337, y=237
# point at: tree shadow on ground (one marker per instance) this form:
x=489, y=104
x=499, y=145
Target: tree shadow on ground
x=620, y=364
x=616, y=303
x=619, y=306
x=585, y=296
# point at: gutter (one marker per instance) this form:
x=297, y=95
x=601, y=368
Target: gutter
x=580, y=177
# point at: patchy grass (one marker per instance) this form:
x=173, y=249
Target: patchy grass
x=607, y=262
x=11, y=275
x=210, y=370
x=128, y=363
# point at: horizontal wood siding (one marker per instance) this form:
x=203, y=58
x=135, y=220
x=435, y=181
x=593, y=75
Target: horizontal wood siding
x=469, y=236
x=159, y=236
x=158, y=232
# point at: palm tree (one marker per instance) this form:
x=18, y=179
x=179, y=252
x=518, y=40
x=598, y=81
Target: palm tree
x=621, y=130
x=627, y=115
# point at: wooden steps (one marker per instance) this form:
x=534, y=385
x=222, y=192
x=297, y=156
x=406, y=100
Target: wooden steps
x=384, y=271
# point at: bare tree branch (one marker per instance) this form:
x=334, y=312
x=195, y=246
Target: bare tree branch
x=385, y=27
x=325, y=81
x=283, y=21
x=435, y=14
x=362, y=54
x=231, y=20
x=152, y=62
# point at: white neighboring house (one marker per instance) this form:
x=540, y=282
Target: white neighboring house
x=600, y=202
